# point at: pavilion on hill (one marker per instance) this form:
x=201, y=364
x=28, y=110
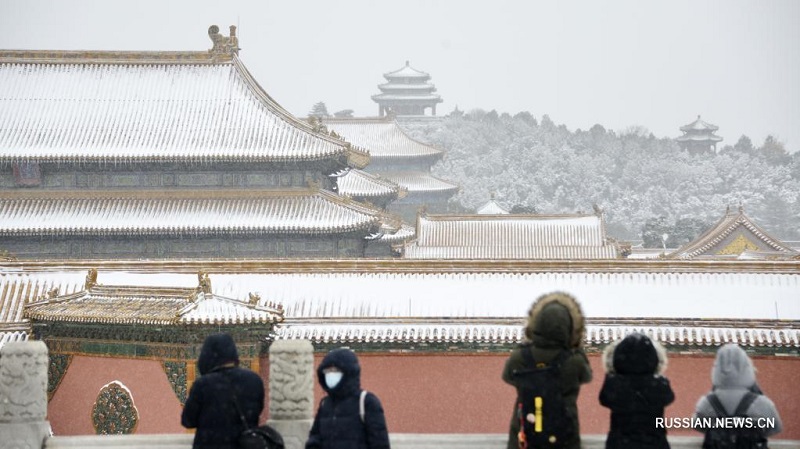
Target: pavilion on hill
x=406, y=92
x=164, y=155
x=699, y=137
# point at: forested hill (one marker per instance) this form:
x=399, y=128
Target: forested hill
x=646, y=186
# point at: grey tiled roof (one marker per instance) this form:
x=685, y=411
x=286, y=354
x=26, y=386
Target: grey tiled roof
x=510, y=237
x=124, y=110
x=181, y=212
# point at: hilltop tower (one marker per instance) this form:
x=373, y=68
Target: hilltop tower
x=407, y=92
x=698, y=137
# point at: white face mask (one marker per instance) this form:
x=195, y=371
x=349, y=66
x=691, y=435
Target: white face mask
x=332, y=379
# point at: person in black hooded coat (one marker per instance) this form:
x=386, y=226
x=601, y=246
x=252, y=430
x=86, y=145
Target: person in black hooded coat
x=210, y=406
x=636, y=392
x=338, y=424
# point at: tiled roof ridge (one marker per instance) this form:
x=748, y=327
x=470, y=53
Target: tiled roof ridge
x=509, y=333
x=223, y=49
x=505, y=217
x=171, y=194
x=106, y=57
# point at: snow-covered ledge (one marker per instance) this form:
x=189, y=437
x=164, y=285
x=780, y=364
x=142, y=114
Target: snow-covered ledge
x=398, y=440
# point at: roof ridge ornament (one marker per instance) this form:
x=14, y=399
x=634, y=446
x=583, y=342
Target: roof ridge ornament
x=91, y=279
x=203, y=283
x=224, y=47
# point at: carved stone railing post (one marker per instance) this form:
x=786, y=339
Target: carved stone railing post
x=291, y=390
x=23, y=395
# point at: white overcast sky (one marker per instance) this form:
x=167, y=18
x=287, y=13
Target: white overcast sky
x=657, y=64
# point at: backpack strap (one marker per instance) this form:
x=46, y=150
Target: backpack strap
x=745, y=403
x=527, y=356
x=361, y=407
x=719, y=409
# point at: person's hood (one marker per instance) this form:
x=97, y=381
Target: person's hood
x=218, y=350
x=347, y=362
x=556, y=320
x=635, y=354
x=733, y=368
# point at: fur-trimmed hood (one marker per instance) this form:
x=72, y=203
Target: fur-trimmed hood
x=556, y=320
x=635, y=344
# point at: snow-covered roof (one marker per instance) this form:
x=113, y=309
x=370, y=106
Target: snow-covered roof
x=382, y=137
x=357, y=183
x=183, y=212
x=598, y=332
x=421, y=182
x=148, y=106
x=734, y=235
x=491, y=208
x=699, y=125
x=510, y=237
x=403, y=234
x=149, y=305
x=406, y=72
x=750, y=300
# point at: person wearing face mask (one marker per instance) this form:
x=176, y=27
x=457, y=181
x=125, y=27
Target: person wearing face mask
x=348, y=418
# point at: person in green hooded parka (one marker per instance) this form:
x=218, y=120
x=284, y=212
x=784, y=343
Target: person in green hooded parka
x=555, y=324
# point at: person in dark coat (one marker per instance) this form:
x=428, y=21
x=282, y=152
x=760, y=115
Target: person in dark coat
x=338, y=424
x=555, y=324
x=210, y=406
x=733, y=376
x=636, y=392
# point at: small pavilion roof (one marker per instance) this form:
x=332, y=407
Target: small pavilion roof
x=117, y=107
x=492, y=207
x=735, y=235
x=182, y=212
x=699, y=125
x=150, y=305
x=407, y=72
x=382, y=137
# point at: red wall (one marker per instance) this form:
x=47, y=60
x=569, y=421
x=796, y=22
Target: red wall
x=70, y=408
x=421, y=393
x=462, y=393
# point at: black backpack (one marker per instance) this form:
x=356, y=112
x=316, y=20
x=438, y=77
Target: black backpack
x=542, y=413
x=733, y=438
